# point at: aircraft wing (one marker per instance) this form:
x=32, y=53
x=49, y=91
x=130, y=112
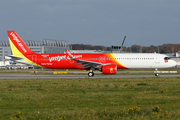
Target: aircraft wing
x=84, y=63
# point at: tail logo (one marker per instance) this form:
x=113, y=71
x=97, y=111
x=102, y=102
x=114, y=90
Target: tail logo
x=18, y=42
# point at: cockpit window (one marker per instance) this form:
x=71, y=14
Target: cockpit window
x=167, y=58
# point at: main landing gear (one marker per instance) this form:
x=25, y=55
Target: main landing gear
x=156, y=72
x=91, y=73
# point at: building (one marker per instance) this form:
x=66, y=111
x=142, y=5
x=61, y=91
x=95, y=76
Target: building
x=5, y=49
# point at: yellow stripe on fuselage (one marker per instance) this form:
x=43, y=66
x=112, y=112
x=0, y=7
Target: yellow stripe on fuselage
x=111, y=55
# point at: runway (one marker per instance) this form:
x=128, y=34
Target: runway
x=45, y=76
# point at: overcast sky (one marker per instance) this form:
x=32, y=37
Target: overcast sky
x=95, y=22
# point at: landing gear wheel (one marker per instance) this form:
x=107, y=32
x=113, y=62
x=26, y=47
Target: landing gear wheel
x=156, y=74
x=90, y=74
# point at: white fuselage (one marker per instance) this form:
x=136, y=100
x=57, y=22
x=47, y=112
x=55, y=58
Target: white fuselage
x=144, y=60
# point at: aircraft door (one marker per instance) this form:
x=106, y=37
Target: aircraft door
x=33, y=58
x=157, y=58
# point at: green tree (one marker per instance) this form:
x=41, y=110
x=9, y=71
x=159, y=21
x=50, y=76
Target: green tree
x=135, y=48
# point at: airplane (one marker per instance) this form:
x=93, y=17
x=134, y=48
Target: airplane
x=107, y=63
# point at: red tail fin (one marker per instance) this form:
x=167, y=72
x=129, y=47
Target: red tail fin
x=17, y=45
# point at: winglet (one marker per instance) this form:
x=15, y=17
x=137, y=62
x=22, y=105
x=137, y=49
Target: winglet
x=69, y=53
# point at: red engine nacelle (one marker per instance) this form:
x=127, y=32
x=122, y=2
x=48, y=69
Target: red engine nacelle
x=109, y=69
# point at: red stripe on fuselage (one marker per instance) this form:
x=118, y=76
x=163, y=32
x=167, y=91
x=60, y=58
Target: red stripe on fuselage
x=63, y=61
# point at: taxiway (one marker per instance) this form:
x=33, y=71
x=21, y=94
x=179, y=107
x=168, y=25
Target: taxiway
x=36, y=76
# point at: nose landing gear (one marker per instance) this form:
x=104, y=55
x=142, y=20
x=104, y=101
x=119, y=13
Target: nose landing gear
x=156, y=72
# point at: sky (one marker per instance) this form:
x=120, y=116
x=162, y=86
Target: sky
x=94, y=22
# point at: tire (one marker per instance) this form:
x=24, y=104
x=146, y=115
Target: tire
x=156, y=74
x=90, y=74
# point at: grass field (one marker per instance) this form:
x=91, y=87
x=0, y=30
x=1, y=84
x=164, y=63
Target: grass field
x=85, y=99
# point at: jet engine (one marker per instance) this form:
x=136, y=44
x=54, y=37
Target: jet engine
x=108, y=69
